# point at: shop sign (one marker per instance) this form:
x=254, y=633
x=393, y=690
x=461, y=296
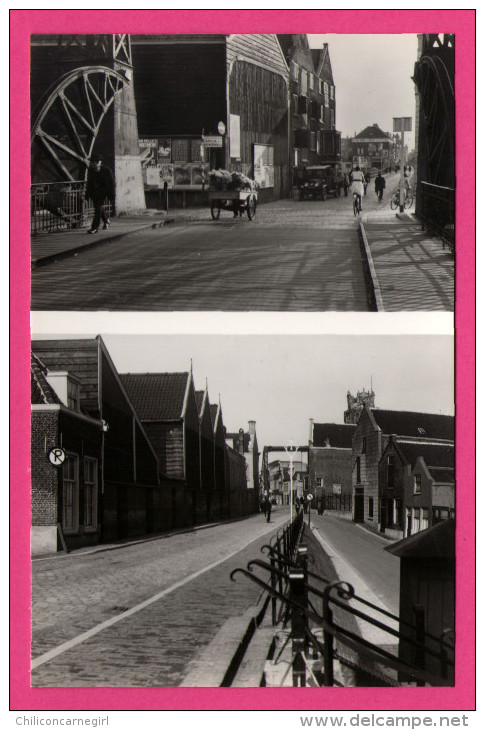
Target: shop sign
x=212, y=141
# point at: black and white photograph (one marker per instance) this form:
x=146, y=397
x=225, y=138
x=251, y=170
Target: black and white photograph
x=243, y=172
x=243, y=354
x=242, y=511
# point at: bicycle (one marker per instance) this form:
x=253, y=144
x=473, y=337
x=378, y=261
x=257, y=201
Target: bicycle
x=356, y=204
x=396, y=200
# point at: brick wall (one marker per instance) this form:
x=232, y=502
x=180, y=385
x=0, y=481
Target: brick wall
x=334, y=466
x=44, y=476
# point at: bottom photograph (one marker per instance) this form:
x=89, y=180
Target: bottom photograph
x=242, y=511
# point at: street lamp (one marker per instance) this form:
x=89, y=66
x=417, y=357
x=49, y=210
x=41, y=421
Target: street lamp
x=291, y=451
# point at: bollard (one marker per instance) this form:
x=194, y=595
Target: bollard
x=165, y=189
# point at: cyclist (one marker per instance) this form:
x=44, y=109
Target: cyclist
x=358, y=185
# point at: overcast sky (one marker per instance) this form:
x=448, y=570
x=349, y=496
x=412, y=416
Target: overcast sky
x=283, y=381
x=372, y=75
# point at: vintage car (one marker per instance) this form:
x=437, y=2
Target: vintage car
x=318, y=181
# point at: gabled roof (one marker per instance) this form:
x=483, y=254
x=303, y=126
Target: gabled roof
x=433, y=454
x=199, y=399
x=442, y=476
x=339, y=434
x=435, y=542
x=41, y=392
x=157, y=396
x=410, y=423
x=373, y=130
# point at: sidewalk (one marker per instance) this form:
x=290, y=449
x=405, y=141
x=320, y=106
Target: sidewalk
x=407, y=270
x=48, y=247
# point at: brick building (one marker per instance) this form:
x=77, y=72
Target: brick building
x=374, y=148
x=330, y=465
x=246, y=443
x=108, y=485
x=313, y=135
x=373, y=501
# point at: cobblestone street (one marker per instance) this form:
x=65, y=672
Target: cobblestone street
x=182, y=582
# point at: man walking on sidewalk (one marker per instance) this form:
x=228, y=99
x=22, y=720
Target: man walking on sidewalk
x=379, y=186
x=100, y=186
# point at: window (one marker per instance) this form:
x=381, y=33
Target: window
x=371, y=508
x=332, y=118
x=416, y=520
x=325, y=93
x=390, y=470
x=364, y=445
x=417, y=484
x=357, y=468
x=322, y=113
x=320, y=86
x=294, y=103
x=294, y=71
x=70, y=493
x=332, y=92
x=72, y=394
x=424, y=518
x=90, y=493
x=310, y=80
x=303, y=85
x=422, y=431
x=319, y=482
x=319, y=144
x=313, y=142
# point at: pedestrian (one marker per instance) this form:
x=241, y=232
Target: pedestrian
x=366, y=181
x=100, y=186
x=266, y=507
x=379, y=185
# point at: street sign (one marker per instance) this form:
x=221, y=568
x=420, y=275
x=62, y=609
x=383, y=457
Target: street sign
x=57, y=456
x=402, y=124
x=309, y=497
x=212, y=141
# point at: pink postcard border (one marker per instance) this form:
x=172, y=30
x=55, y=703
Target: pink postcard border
x=22, y=24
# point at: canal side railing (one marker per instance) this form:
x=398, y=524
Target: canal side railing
x=61, y=206
x=319, y=614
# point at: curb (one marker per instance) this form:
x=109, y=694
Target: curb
x=49, y=258
x=372, y=282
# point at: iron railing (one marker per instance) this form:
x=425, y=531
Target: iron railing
x=435, y=208
x=310, y=610
x=61, y=206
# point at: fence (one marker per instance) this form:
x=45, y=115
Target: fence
x=435, y=208
x=318, y=637
x=60, y=206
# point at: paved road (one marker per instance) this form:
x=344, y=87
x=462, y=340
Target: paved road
x=295, y=256
x=365, y=552
x=137, y=615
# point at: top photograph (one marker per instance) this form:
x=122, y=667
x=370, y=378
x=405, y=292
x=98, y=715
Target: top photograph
x=243, y=172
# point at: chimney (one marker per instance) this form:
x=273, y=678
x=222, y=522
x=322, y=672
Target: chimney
x=310, y=435
x=252, y=427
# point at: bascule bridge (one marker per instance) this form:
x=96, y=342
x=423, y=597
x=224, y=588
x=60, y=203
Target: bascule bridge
x=435, y=133
x=83, y=102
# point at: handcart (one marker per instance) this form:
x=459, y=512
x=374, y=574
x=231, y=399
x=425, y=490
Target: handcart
x=237, y=201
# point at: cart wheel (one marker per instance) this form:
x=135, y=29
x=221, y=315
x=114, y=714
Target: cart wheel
x=251, y=209
x=215, y=211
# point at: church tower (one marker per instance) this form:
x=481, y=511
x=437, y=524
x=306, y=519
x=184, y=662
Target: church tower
x=355, y=404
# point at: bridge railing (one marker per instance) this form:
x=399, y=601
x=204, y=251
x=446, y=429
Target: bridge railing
x=61, y=206
x=435, y=208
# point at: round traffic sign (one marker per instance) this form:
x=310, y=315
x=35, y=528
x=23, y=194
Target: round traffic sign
x=221, y=127
x=57, y=456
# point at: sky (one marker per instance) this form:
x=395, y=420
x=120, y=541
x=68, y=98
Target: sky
x=372, y=75
x=282, y=381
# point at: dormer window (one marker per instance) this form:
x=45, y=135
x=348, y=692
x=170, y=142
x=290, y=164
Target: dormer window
x=72, y=394
x=421, y=431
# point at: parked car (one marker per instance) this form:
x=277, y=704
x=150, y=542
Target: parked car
x=329, y=176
